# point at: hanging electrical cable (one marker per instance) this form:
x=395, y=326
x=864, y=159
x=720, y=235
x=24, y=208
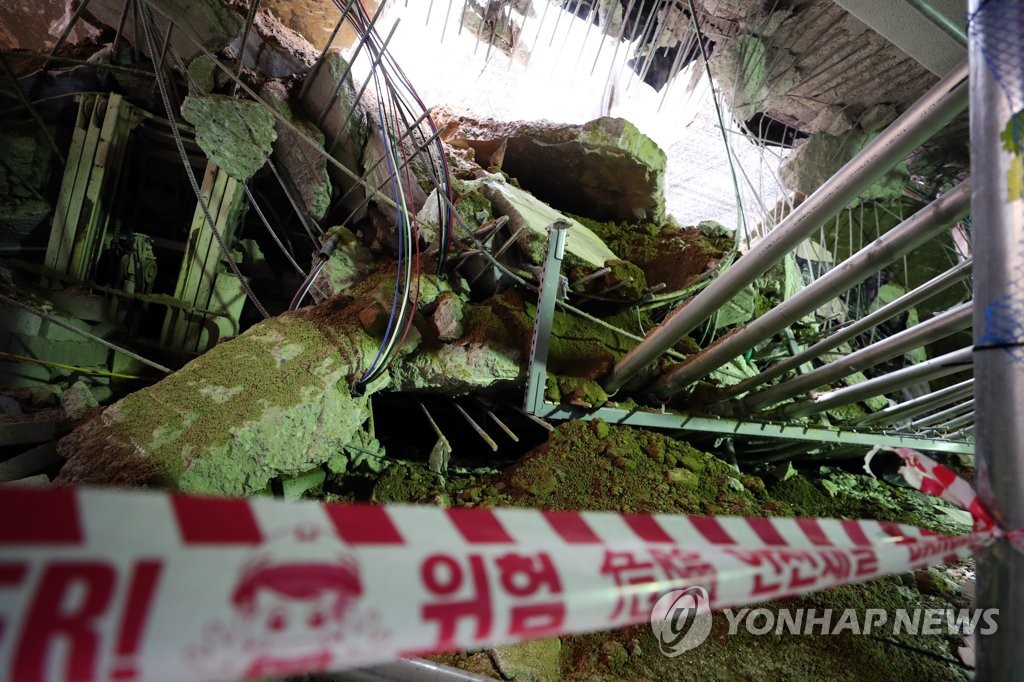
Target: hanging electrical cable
x=324, y=255
x=408, y=107
x=400, y=114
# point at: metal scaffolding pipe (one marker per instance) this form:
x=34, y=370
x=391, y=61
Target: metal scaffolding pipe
x=949, y=412
x=918, y=406
x=964, y=434
x=951, y=321
x=940, y=20
x=854, y=329
x=944, y=365
x=916, y=125
x=952, y=424
x=916, y=230
x=998, y=242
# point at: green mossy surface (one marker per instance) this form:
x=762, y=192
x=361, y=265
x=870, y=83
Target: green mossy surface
x=630, y=280
x=534, y=661
x=408, y=484
x=595, y=466
x=624, y=136
x=527, y=211
x=303, y=485
x=202, y=72
x=222, y=24
x=235, y=134
x=575, y=391
x=580, y=347
x=589, y=466
x=839, y=494
x=678, y=256
x=472, y=206
x=274, y=401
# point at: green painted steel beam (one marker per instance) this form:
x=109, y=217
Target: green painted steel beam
x=675, y=421
x=538, y=371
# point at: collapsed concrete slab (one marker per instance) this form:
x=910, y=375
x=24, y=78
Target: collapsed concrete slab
x=605, y=169
x=275, y=401
x=527, y=211
x=212, y=22
x=273, y=50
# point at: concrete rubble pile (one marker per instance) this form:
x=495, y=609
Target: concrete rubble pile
x=114, y=261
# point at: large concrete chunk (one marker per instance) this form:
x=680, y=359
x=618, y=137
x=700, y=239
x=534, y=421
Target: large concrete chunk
x=235, y=134
x=275, y=401
x=537, y=660
x=525, y=210
x=212, y=22
x=274, y=50
x=346, y=130
x=743, y=67
x=304, y=163
x=605, y=169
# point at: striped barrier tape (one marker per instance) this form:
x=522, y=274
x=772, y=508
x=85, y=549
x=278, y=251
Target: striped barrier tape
x=102, y=584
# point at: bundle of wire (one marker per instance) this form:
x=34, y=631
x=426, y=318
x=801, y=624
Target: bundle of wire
x=399, y=113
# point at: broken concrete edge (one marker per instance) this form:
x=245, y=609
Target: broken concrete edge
x=525, y=210
x=344, y=122
x=609, y=152
x=217, y=425
x=304, y=164
x=235, y=134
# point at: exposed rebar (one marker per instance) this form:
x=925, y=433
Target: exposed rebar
x=476, y=427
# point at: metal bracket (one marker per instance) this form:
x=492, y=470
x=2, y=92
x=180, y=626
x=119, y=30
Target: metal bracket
x=540, y=345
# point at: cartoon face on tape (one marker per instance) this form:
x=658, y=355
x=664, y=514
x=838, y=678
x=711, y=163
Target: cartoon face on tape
x=295, y=609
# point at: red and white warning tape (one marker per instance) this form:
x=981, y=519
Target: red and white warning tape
x=99, y=584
